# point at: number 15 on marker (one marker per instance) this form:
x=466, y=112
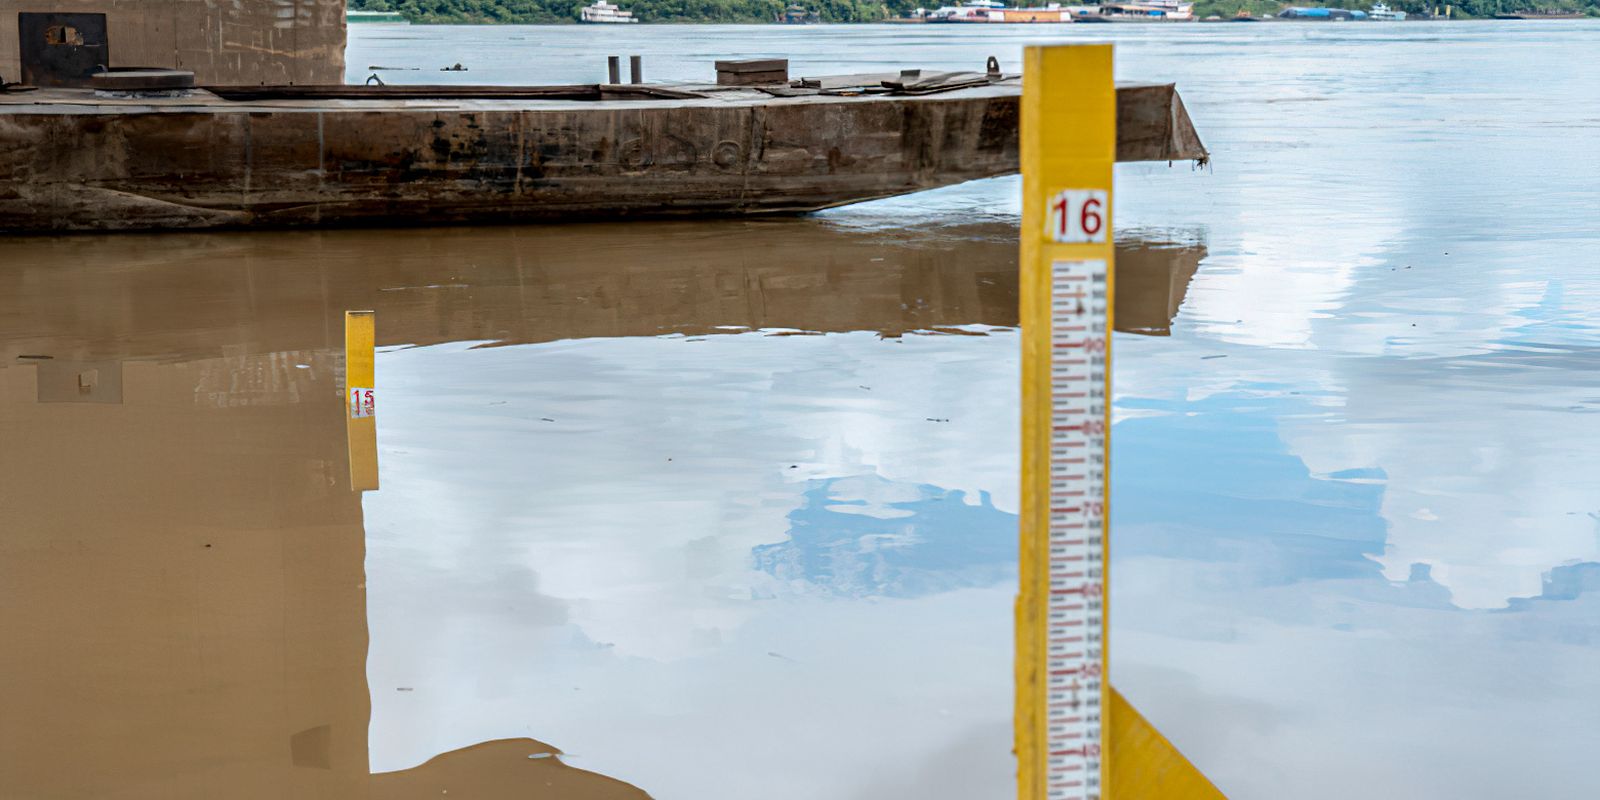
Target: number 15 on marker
x=1076, y=215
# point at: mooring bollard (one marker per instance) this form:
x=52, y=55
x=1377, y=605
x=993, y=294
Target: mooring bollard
x=636, y=69
x=614, y=69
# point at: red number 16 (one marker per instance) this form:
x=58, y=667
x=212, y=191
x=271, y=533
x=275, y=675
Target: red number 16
x=1087, y=225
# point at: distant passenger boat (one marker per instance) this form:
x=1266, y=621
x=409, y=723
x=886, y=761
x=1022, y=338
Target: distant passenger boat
x=972, y=11
x=1149, y=11
x=354, y=16
x=1383, y=13
x=604, y=12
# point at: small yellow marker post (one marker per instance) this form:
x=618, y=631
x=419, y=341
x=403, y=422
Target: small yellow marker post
x=1076, y=738
x=361, y=424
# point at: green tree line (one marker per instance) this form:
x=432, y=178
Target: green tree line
x=558, y=11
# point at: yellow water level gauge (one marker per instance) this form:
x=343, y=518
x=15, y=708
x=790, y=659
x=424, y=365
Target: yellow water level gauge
x=1077, y=739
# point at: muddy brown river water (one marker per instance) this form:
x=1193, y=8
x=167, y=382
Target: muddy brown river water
x=727, y=509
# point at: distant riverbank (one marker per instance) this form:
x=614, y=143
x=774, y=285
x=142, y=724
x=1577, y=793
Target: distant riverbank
x=554, y=12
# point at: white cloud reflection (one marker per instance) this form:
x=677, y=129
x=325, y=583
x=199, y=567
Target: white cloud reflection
x=563, y=549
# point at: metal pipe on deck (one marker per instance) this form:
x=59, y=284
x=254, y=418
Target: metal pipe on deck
x=635, y=69
x=614, y=69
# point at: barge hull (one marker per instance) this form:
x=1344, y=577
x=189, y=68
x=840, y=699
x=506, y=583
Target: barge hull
x=85, y=165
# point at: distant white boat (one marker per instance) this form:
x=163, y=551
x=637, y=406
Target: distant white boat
x=1383, y=13
x=605, y=12
x=973, y=11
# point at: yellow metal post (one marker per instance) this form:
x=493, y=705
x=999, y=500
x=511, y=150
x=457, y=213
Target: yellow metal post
x=360, y=395
x=1076, y=739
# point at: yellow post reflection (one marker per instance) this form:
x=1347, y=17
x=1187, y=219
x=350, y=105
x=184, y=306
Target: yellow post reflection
x=361, y=424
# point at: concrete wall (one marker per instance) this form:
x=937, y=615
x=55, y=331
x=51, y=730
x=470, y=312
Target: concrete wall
x=221, y=41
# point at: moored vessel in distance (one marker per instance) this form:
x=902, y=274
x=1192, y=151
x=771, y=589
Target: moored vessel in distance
x=797, y=14
x=1053, y=12
x=1542, y=15
x=605, y=13
x=1381, y=12
x=974, y=11
x=989, y=11
x=1150, y=11
x=1319, y=14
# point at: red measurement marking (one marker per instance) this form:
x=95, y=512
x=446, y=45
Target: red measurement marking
x=1086, y=589
x=1082, y=751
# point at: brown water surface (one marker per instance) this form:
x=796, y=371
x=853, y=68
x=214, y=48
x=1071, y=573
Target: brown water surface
x=183, y=570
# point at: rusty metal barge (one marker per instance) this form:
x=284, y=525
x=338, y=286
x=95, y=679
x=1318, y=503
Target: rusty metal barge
x=229, y=143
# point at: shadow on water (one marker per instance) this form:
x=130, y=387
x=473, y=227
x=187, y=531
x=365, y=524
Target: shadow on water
x=183, y=570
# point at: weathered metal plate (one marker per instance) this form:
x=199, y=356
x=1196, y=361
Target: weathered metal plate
x=61, y=49
x=241, y=41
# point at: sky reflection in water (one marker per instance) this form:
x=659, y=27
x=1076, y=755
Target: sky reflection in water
x=1357, y=523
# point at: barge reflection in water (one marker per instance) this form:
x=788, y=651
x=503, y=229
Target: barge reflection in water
x=189, y=583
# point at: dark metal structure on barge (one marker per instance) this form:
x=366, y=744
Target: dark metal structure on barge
x=246, y=148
